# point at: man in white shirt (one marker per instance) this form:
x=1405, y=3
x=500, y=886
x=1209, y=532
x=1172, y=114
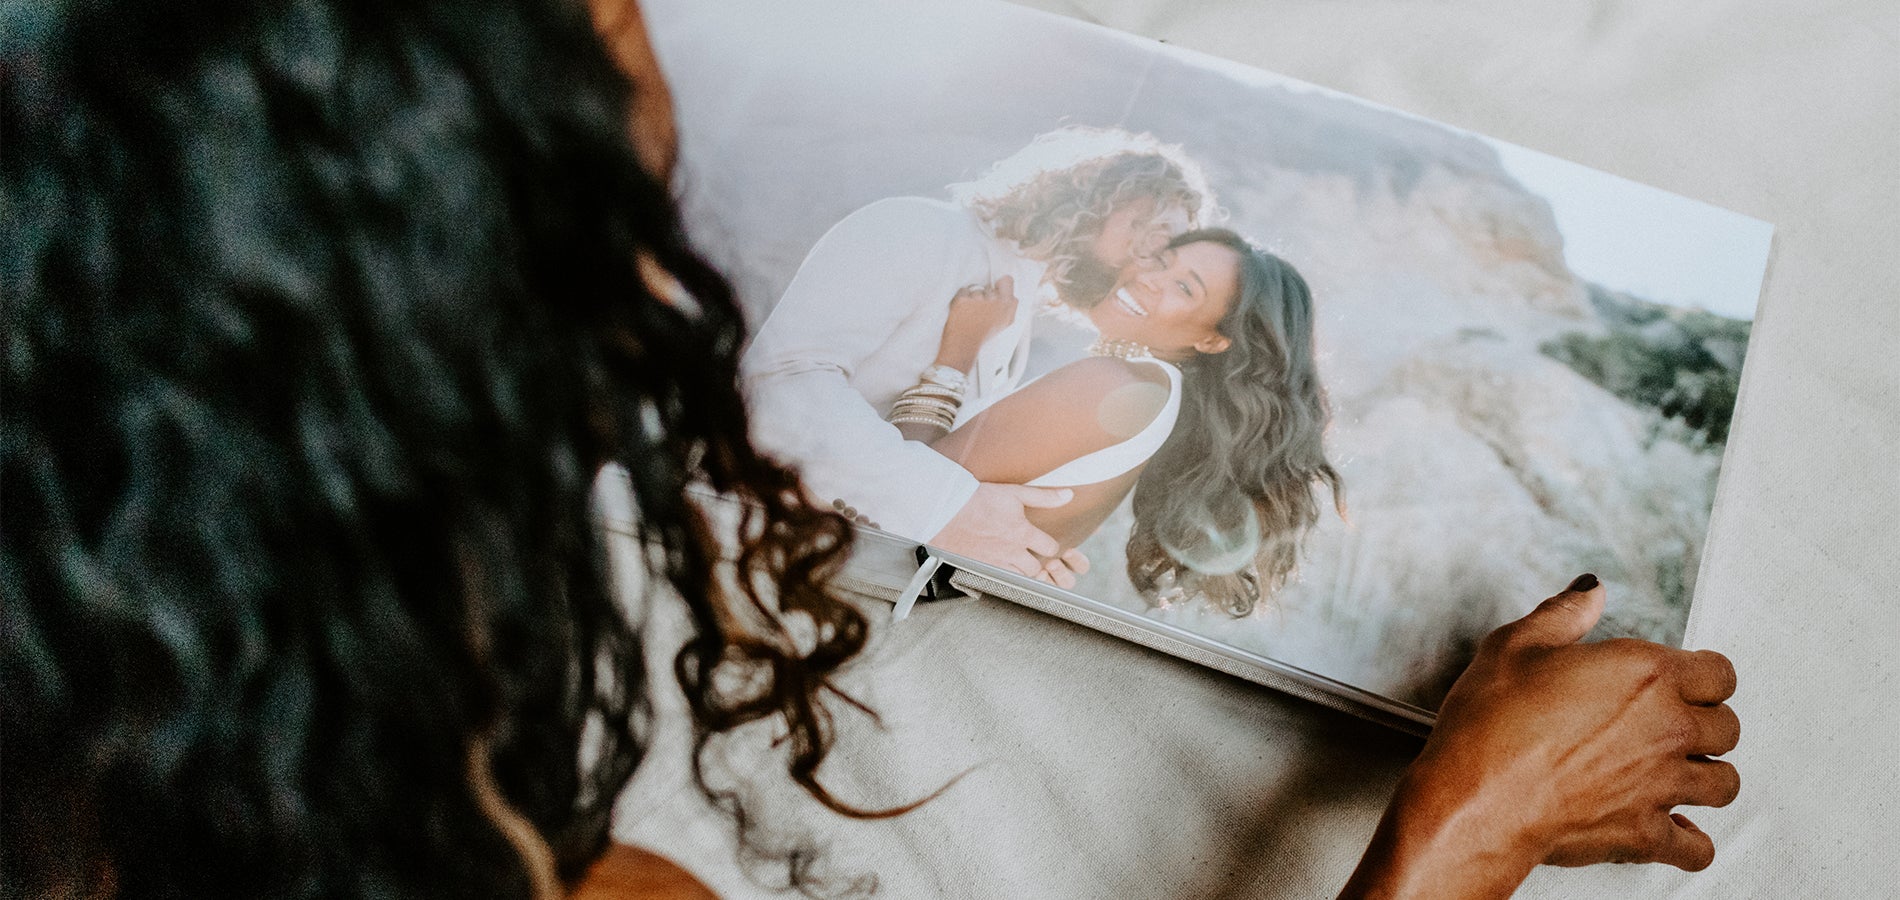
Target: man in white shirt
x=862, y=319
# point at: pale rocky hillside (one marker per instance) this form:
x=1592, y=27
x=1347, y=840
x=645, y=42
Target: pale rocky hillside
x=1481, y=474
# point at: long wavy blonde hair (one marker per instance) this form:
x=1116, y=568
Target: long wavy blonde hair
x=1052, y=197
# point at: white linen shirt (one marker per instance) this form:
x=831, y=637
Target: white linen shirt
x=859, y=323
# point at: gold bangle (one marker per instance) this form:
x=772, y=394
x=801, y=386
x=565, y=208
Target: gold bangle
x=920, y=420
x=920, y=409
x=933, y=415
x=927, y=389
x=931, y=401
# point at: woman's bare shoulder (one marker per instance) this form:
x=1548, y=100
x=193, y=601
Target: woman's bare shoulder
x=1077, y=409
x=1094, y=402
x=630, y=873
x=1103, y=375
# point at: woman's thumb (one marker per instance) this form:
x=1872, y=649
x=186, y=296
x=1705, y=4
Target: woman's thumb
x=1565, y=618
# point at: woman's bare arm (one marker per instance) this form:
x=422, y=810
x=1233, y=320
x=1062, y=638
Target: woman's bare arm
x=977, y=313
x=1083, y=407
x=1088, y=405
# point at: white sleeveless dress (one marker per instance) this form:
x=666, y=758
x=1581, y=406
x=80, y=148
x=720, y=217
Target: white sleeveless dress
x=1119, y=459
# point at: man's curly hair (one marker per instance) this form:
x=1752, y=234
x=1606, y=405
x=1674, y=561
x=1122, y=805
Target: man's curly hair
x=1053, y=196
x=321, y=318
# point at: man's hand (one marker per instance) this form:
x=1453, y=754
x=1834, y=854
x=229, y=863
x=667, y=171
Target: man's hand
x=1550, y=751
x=1062, y=570
x=992, y=528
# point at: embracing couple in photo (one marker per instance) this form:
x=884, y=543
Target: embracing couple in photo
x=891, y=373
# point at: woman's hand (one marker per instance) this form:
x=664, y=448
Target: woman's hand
x=977, y=313
x=1550, y=751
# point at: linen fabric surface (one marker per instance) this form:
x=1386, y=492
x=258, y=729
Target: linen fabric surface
x=1093, y=768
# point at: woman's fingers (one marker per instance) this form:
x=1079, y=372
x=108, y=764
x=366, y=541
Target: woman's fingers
x=1707, y=782
x=1006, y=295
x=1002, y=298
x=1718, y=730
x=1685, y=846
x=1707, y=678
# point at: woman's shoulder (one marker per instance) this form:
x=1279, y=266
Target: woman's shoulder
x=1108, y=373
x=1126, y=395
x=629, y=873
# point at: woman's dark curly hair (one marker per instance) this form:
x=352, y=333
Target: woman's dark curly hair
x=321, y=318
x=1222, y=507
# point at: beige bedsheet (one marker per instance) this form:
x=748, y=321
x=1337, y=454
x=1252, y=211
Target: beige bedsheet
x=1097, y=769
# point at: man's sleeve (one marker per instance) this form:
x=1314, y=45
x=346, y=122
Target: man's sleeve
x=862, y=280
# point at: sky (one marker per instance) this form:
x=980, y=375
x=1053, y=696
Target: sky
x=1618, y=233
x=1660, y=246
x=1649, y=242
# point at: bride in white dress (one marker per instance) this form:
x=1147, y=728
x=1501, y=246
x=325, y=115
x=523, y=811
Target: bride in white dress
x=1201, y=396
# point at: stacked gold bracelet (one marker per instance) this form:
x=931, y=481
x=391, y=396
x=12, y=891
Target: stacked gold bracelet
x=933, y=400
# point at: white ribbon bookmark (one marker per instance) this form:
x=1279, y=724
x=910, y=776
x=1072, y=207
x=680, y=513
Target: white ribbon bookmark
x=918, y=582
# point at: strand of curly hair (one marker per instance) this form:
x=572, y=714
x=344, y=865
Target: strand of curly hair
x=1053, y=196
x=322, y=316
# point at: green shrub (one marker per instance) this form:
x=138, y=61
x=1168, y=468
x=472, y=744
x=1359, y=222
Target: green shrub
x=1685, y=364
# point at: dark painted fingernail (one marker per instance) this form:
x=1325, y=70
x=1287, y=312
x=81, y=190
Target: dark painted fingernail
x=1584, y=582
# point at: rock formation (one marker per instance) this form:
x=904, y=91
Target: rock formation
x=1483, y=471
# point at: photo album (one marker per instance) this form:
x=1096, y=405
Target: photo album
x=1298, y=387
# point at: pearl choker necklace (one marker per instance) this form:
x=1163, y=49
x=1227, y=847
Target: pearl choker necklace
x=1119, y=349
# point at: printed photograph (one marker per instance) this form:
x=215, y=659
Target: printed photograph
x=1307, y=376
